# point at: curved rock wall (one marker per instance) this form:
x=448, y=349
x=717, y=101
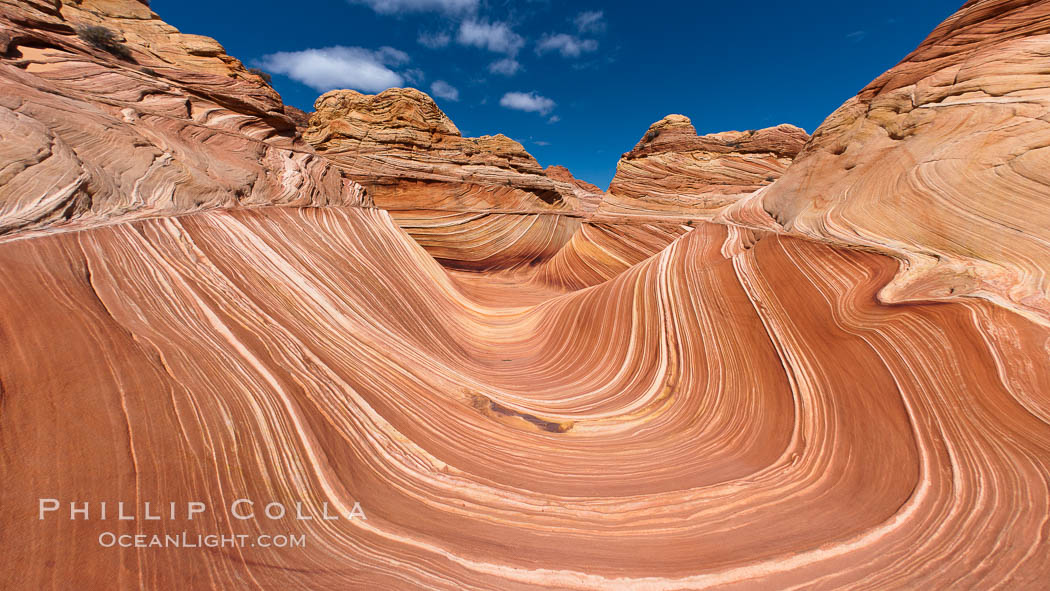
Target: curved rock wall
x=674, y=174
x=689, y=382
x=756, y=419
x=172, y=126
x=474, y=203
x=943, y=162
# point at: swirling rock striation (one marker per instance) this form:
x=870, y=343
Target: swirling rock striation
x=409, y=155
x=711, y=417
x=674, y=174
x=943, y=162
x=474, y=203
x=590, y=196
x=171, y=125
x=657, y=404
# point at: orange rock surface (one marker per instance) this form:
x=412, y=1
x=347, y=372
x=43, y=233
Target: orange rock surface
x=942, y=162
x=176, y=127
x=475, y=203
x=590, y=196
x=674, y=174
x=608, y=393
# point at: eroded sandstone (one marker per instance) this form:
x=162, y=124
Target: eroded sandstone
x=674, y=174
x=688, y=382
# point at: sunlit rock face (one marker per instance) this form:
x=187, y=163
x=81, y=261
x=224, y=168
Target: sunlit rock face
x=674, y=174
x=409, y=155
x=600, y=251
x=589, y=195
x=712, y=416
x=942, y=162
x=172, y=126
x=704, y=400
x=474, y=203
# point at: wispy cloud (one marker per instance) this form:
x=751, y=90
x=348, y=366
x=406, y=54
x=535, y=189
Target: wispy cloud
x=591, y=21
x=554, y=119
x=434, y=40
x=340, y=67
x=507, y=66
x=451, y=7
x=527, y=101
x=442, y=89
x=413, y=76
x=493, y=36
x=566, y=45
x=857, y=36
x=541, y=143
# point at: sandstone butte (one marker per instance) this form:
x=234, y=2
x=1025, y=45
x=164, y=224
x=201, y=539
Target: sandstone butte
x=674, y=174
x=760, y=360
x=473, y=203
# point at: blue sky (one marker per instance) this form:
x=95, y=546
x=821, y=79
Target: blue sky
x=576, y=82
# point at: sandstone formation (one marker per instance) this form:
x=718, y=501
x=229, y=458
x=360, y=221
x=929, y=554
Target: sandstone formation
x=298, y=116
x=674, y=174
x=409, y=155
x=624, y=436
x=172, y=126
x=519, y=389
x=597, y=252
x=943, y=162
x=476, y=203
x=590, y=196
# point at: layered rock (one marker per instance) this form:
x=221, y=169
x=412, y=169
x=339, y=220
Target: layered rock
x=943, y=162
x=449, y=192
x=146, y=122
x=710, y=417
x=655, y=405
x=600, y=251
x=589, y=195
x=674, y=174
x=409, y=155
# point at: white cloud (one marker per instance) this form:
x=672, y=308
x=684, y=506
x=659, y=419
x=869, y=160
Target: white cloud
x=414, y=76
x=339, y=67
x=554, y=119
x=442, y=89
x=434, y=40
x=497, y=37
x=391, y=56
x=451, y=7
x=566, y=45
x=541, y=143
x=507, y=66
x=591, y=21
x=527, y=101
